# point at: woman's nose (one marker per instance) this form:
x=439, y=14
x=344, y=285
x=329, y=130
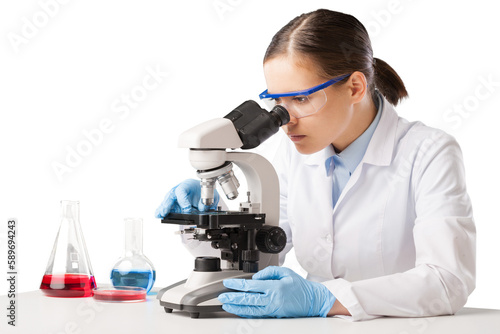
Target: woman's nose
x=293, y=120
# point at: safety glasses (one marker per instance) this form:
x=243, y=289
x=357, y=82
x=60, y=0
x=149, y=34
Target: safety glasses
x=301, y=103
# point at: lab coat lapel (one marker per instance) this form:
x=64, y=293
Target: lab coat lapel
x=310, y=214
x=380, y=149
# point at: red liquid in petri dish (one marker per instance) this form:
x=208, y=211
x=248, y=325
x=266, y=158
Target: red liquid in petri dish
x=120, y=295
x=68, y=285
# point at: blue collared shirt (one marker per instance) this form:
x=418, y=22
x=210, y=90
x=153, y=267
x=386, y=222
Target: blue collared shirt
x=342, y=165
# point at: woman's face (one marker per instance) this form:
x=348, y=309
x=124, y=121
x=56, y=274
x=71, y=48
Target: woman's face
x=332, y=124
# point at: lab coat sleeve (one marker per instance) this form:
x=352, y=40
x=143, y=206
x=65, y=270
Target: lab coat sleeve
x=281, y=163
x=445, y=243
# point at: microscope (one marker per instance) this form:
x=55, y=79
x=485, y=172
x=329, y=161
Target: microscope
x=249, y=239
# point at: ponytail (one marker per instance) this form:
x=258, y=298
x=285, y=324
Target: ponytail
x=388, y=82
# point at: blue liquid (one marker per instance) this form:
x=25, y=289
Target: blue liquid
x=137, y=278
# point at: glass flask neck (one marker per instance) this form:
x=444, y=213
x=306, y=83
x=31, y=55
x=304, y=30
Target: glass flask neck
x=133, y=236
x=70, y=210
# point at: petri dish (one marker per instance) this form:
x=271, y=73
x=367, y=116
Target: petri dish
x=122, y=294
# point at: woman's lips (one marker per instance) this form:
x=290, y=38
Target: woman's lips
x=296, y=138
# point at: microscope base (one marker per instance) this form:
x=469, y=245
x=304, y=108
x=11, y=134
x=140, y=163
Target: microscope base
x=198, y=294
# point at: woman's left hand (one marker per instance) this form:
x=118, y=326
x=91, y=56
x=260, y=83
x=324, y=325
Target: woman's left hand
x=276, y=292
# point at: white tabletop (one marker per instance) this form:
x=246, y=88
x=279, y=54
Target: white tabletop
x=36, y=313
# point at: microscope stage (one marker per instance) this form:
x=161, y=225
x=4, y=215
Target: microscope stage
x=217, y=219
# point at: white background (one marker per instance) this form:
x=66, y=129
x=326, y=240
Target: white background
x=71, y=72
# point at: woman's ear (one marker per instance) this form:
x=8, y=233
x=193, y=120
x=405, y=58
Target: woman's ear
x=357, y=86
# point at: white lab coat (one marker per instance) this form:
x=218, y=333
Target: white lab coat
x=401, y=239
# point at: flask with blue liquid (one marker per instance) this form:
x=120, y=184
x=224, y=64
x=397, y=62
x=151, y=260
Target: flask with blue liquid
x=134, y=268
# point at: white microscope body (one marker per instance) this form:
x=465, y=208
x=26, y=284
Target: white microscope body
x=210, y=145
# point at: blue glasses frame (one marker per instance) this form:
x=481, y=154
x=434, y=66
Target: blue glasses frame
x=305, y=92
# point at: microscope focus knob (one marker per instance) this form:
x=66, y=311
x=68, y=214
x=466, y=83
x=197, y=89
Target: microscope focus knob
x=270, y=239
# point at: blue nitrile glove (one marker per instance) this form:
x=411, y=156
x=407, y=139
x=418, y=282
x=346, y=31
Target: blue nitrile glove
x=276, y=292
x=183, y=198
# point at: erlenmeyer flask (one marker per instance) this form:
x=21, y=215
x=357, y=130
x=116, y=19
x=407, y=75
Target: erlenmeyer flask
x=68, y=272
x=134, y=268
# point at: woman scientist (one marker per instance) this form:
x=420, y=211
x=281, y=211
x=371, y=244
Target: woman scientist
x=375, y=206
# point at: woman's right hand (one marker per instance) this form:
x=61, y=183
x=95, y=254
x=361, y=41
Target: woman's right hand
x=183, y=198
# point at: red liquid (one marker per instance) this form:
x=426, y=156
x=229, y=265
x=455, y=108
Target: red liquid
x=120, y=295
x=68, y=285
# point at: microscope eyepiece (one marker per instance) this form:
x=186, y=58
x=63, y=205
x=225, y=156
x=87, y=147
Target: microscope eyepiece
x=280, y=114
x=254, y=124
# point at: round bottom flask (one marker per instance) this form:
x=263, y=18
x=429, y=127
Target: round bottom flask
x=134, y=269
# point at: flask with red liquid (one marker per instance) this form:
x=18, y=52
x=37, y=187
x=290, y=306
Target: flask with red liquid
x=69, y=273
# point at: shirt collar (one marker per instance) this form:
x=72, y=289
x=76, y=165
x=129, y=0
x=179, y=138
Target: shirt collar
x=381, y=145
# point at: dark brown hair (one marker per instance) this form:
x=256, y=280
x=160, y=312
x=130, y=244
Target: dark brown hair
x=337, y=44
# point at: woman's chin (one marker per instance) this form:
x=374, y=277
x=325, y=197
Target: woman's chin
x=305, y=149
